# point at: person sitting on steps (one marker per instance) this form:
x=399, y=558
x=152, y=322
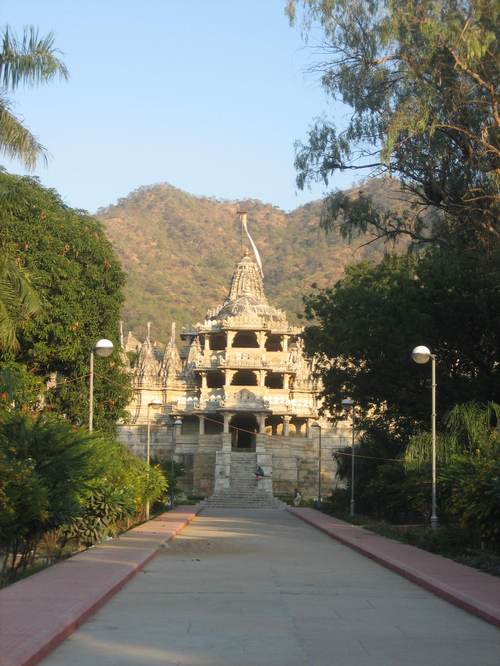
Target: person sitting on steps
x=259, y=473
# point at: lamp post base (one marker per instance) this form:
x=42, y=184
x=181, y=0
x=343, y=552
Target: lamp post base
x=434, y=522
x=352, y=508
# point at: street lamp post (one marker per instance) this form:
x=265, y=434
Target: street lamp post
x=422, y=355
x=346, y=404
x=154, y=403
x=177, y=424
x=102, y=348
x=317, y=425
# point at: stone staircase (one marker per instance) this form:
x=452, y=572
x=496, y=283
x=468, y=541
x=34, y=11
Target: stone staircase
x=243, y=491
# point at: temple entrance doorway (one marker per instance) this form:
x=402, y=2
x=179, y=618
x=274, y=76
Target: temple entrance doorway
x=243, y=431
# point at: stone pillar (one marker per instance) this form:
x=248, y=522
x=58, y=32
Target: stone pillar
x=226, y=442
x=222, y=469
x=177, y=431
x=206, y=344
x=286, y=380
x=285, y=343
x=261, y=339
x=260, y=442
x=286, y=426
x=203, y=381
x=201, y=422
x=262, y=377
x=309, y=430
x=230, y=338
x=226, y=435
x=228, y=376
x=262, y=423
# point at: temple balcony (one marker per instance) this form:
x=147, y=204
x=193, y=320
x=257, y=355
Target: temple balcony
x=276, y=361
x=249, y=398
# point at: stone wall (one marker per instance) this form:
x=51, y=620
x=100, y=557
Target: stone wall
x=294, y=459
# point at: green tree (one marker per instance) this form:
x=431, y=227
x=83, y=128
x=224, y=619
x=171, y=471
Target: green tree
x=80, y=283
x=29, y=60
x=421, y=79
x=363, y=330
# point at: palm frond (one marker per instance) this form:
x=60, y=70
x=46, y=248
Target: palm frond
x=31, y=59
x=494, y=414
x=470, y=425
x=419, y=450
x=16, y=141
x=8, y=338
x=470, y=428
x=18, y=300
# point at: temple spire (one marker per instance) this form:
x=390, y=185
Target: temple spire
x=247, y=282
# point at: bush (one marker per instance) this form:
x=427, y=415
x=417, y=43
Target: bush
x=55, y=479
x=472, y=485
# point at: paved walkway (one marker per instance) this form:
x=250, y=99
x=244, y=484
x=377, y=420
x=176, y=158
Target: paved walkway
x=37, y=613
x=241, y=587
x=468, y=588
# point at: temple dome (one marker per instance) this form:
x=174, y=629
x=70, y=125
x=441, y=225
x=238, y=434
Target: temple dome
x=247, y=282
x=246, y=294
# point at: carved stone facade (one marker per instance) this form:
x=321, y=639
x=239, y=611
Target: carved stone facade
x=241, y=383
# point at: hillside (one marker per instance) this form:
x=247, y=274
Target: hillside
x=179, y=252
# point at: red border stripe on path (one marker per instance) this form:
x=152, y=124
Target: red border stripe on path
x=472, y=590
x=39, y=612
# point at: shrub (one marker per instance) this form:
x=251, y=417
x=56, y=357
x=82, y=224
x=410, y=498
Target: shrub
x=55, y=479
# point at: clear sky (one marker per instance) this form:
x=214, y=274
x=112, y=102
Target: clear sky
x=207, y=95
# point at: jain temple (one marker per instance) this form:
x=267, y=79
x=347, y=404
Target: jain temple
x=240, y=394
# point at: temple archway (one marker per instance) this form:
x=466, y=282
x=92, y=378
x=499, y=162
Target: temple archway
x=244, y=378
x=215, y=379
x=274, y=380
x=243, y=432
x=217, y=341
x=273, y=343
x=246, y=339
x=214, y=424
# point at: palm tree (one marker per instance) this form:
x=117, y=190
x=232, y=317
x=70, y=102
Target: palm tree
x=18, y=300
x=29, y=60
x=470, y=429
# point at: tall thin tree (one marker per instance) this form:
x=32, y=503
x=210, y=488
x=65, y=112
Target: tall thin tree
x=27, y=60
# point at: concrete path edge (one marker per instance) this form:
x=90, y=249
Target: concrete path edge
x=476, y=592
x=21, y=603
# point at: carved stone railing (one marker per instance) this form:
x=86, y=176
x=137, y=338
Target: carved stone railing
x=222, y=360
x=211, y=360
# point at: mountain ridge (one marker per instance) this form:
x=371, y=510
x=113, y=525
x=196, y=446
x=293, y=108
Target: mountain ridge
x=179, y=251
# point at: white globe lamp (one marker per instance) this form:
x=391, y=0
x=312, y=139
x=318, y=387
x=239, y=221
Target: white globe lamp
x=104, y=348
x=421, y=354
